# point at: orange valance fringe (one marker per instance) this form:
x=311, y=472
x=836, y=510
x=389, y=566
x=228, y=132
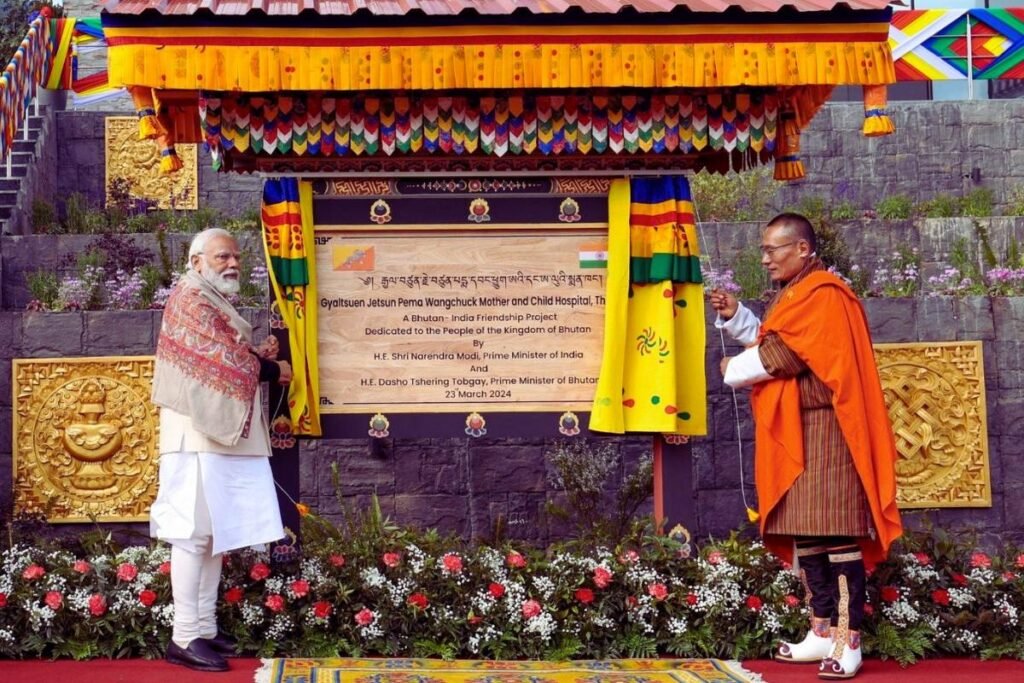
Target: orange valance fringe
x=876, y=119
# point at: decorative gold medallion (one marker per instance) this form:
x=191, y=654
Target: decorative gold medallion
x=136, y=164
x=85, y=438
x=476, y=425
x=935, y=393
x=379, y=426
x=479, y=211
x=569, y=211
x=569, y=423
x=380, y=212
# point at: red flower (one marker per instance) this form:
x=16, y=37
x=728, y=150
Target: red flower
x=792, y=600
x=1020, y=561
x=959, y=579
x=514, y=559
x=54, y=600
x=259, y=571
x=275, y=603
x=234, y=595
x=496, y=590
x=715, y=557
x=940, y=596
x=3, y=600
x=452, y=563
x=585, y=595
x=337, y=560
x=81, y=566
x=889, y=594
x=33, y=572
x=754, y=603
x=531, y=608
x=322, y=609
x=869, y=609
x=474, y=619
x=126, y=571
x=164, y=568
x=147, y=597
x=391, y=559
x=418, y=600
x=980, y=560
x=658, y=591
x=300, y=588
x=97, y=605
x=631, y=601
x=691, y=599
x=1009, y=576
x=602, y=577
x=922, y=559
x=365, y=617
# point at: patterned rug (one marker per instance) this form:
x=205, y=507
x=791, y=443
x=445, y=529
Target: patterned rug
x=437, y=671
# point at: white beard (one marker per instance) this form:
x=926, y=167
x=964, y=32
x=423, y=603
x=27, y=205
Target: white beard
x=222, y=284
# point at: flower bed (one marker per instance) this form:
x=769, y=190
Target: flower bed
x=376, y=590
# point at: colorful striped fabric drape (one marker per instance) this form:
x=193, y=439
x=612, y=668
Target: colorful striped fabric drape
x=288, y=242
x=652, y=370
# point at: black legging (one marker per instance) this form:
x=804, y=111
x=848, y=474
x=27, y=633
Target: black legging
x=832, y=568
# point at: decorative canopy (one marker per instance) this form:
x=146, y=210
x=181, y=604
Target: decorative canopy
x=577, y=80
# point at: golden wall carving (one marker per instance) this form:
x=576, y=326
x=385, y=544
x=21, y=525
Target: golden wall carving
x=85, y=438
x=935, y=392
x=138, y=161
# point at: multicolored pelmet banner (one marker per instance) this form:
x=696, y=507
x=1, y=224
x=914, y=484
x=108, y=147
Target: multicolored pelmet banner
x=956, y=44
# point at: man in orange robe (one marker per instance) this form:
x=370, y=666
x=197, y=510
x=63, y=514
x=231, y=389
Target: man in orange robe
x=825, y=455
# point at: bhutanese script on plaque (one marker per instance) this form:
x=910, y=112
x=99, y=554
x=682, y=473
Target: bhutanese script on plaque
x=498, y=321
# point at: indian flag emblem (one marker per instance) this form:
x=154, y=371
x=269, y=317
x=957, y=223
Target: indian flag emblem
x=594, y=255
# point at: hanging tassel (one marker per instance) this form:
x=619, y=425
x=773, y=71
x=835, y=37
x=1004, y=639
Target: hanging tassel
x=145, y=109
x=876, y=119
x=753, y=515
x=788, y=165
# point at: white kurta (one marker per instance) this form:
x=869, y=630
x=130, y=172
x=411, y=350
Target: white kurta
x=239, y=493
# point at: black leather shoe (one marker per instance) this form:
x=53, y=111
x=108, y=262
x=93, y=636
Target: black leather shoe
x=223, y=644
x=198, y=655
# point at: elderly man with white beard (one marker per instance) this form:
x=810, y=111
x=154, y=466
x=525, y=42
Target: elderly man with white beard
x=216, y=491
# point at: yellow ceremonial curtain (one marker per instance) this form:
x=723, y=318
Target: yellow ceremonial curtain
x=288, y=242
x=652, y=371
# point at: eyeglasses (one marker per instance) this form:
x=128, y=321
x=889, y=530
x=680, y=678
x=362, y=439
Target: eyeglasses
x=770, y=251
x=225, y=256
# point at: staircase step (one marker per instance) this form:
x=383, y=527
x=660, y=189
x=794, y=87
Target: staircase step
x=9, y=184
x=17, y=170
x=5, y=212
x=21, y=158
x=8, y=198
x=24, y=146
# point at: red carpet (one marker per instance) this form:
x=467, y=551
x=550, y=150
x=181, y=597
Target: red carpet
x=242, y=670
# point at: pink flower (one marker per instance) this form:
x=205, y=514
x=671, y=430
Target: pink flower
x=496, y=590
x=33, y=572
x=691, y=599
x=337, y=560
x=792, y=600
x=923, y=559
x=234, y=595
x=54, y=600
x=981, y=561
x=322, y=609
x=754, y=603
x=602, y=577
x=97, y=605
x=275, y=603
x=365, y=617
x=81, y=566
x=531, y=608
x=940, y=596
x=629, y=557
x=658, y=591
x=958, y=578
x=715, y=557
x=868, y=609
x=1009, y=576
x=1020, y=561
x=889, y=594
x=164, y=568
x=126, y=571
x=300, y=588
x=418, y=600
x=147, y=597
x=516, y=560
x=452, y=563
x=391, y=559
x=259, y=571
x=585, y=595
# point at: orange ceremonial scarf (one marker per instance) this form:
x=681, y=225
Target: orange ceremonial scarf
x=820, y=319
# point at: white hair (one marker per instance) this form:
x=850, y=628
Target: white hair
x=200, y=240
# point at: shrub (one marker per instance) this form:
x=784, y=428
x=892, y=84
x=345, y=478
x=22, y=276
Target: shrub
x=979, y=203
x=895, y=207
x=44, y=286
x=1015, y=201
x=941, y=206
x=44, y=217
x=747, y=196
x=845, y=211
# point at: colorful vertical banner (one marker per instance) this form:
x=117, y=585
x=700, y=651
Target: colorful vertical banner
x=287, y=214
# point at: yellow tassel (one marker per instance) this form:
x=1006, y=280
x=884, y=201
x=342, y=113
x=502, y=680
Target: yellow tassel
x=875, y=126
x=791, y=169
x=149, y=127
x=170, y=162
x=753, y=515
